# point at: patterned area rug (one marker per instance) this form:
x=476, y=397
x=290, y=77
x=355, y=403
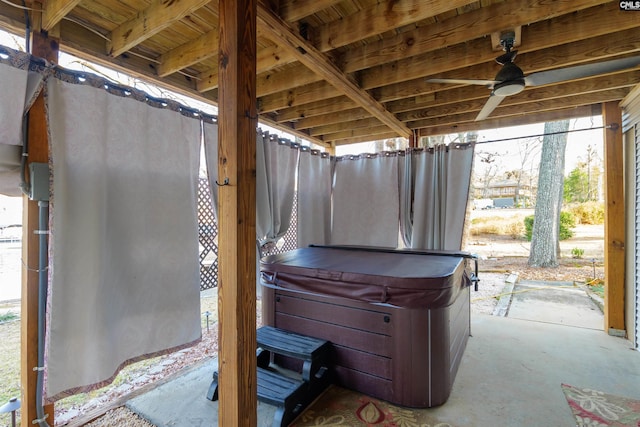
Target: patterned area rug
x=594, y=408
x=342, y=407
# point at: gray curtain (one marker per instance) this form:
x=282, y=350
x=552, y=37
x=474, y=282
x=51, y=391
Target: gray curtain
x=276, y=163
x=19, y=89
x=434, y=196
x=365, y=200
x=314, y=197
x=125, y=279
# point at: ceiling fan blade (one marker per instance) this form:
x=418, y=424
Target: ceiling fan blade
x=581, y=71
x=488, y=83
x=489, y=106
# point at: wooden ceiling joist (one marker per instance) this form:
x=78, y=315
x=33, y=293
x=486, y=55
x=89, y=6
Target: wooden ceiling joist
x=55, y=10
x=316, y=61
x=160, y=14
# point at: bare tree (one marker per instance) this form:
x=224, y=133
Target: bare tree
x=546, y=226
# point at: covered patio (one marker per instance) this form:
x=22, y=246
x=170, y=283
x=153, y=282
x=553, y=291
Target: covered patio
x=340, y=72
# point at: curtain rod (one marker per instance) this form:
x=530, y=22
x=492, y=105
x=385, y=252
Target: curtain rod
x=540, y=134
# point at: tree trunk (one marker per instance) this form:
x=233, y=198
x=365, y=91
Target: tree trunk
x=545, y=242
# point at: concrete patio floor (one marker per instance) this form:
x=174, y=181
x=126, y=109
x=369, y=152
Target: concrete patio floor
x=510, y=375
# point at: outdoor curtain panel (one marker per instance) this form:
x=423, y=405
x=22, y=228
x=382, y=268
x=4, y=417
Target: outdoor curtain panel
x=276, y=163
x=434, y=197
x=365, y=200
x=314, y=198
x=124, y=274
x=19, y=88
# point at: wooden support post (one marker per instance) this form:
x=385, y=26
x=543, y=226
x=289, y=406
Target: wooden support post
x=43, y=47
x=237, y=121
x=614, y=224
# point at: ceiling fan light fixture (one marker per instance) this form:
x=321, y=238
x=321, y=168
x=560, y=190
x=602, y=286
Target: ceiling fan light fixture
x=508, y=88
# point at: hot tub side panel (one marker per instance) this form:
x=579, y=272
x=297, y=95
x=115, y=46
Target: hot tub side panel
x=405, y=356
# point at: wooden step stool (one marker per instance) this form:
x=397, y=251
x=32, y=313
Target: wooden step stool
x=290, y=395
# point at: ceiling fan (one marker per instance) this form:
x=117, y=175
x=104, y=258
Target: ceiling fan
x=510, y=80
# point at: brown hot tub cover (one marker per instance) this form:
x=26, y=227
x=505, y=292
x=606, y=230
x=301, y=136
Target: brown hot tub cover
x=402, y=278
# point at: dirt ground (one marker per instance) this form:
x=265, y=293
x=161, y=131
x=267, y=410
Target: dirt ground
x=504, y=254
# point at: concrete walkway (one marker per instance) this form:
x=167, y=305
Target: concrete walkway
x=510, y=374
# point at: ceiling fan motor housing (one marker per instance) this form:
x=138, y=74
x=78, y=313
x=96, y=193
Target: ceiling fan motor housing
x=511, y=80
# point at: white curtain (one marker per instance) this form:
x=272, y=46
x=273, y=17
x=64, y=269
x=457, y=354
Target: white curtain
x=365, y=200
x=124, y=276
x=314, y=198
x=19, y=89
x=435, y=194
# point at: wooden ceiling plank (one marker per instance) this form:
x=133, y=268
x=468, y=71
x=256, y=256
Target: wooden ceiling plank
x=205, y=46
x=594, y=25
x=586, y=86
x=271, y=57
x=496, y=123
x=295, y=10
x=316, y=109
x=529, y=107
x=330, y=118
x=466, y=93
x=346, y=125
x=159, y=15
x=367, y=138
x=55, y=10
x=381, y=17
x=462, y=28
x=354, y=133
x=316, y=61
x=301, y=95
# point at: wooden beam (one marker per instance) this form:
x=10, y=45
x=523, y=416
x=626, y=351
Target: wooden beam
x=316, y=109
x=331, y=118
x=189, y=53
x=159, y=15
x=502, y=122
x=537, y=95
x=306, y=94
x=55, y=10
x=383, y=16
x=349, y=134
x=531, y=107
x=355, y=140
x=237, y=122
x=460, y=58
x=614, y=226
x=463, y=28
x=38, y=145
x=279, y=32
x=295, y=10
x=343, y=126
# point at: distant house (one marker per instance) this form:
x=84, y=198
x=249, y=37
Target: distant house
x=504, y=192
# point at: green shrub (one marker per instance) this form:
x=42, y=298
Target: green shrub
x=577, y=252
x=567, y=224
x=588, y=213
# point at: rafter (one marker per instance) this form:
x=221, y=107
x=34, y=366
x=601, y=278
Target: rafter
x=55, y=10
x=381, y=17
x=535, y=117
x=159, y=15
x=316, y=61
x=526, y=108
x=462, y=28
x=192, y=52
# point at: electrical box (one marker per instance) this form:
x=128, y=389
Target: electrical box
x=39, y=181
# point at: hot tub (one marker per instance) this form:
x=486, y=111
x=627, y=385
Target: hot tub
x=398, y=320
